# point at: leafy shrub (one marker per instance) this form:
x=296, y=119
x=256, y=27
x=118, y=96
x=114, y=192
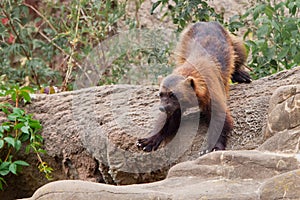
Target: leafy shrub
x=20, y=130
x=186, y=12
x=44, y=43
x=274, y=38
x=272, y=30
x=21, y=54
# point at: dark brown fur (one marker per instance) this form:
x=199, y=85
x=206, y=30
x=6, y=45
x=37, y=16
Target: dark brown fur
x=207, y=56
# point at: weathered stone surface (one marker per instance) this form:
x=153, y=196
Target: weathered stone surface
x=287, y=141
x=253, y=165
x=90, y=134
x=219, y=175
x=284, y=110
x=283, y=186
x=283, y=121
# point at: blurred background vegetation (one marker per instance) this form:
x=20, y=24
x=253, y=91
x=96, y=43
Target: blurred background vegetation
x=44, y=43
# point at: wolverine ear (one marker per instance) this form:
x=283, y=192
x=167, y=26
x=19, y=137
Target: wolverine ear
x=190, y=81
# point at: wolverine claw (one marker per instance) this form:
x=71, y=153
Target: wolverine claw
x=140, y=144
x=202, y=153
x=147, y=148
x=149, y=144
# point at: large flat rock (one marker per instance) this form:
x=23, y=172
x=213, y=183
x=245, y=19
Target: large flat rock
x=219, y=175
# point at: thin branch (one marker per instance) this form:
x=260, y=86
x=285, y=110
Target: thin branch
x=249, y=68
x=42, y=16
x=73, y=43
x=65, y=53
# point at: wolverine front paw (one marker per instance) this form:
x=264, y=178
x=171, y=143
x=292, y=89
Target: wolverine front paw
x=149, y=144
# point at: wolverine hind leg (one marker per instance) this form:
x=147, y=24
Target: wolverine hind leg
x=240, y=56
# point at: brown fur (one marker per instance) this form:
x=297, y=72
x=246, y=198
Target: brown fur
x=206, y=57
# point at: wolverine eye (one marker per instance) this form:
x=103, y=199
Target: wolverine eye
x=172, y=95
x=160, y=94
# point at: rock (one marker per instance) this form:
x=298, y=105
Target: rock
x=283, y=186
x=218, y=175
x=88, y=190
x=90, y=134
x=253, y=165
x=284, y=110
x=283, y=121
x=286, y=141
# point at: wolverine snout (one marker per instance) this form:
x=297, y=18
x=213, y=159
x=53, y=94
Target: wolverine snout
x=162, y=109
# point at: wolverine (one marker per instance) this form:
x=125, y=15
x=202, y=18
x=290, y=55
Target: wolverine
x=207, y=57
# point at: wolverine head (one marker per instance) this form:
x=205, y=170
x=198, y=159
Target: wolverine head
x=177, y=92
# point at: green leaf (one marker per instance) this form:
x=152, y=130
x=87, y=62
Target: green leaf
x=25, y=129
x=258, y=10
x=26, y=96
x=13, y=168
x=24, y=137
x=279, y=5
x=13, y=96
x=269, y=11
x=39, y=138
x=27, y=89
x=297, y=58
x=18, y=145
x=263, y=31
x=4, y=168
x=269, y=53
x=19, y=125
x=4, y=128
x=35, y=124
x=4, y=107
x=284, y=51
x=10, y=141
x=18, y=111
x=27, y=149
x=275, y=25
x=42, y=151
x=291, y=26
x=21, y=162
x=1, y=144
x=4, y=172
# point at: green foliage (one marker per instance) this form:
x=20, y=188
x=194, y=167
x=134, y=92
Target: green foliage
x=273, y=30
x=186, y=12
x=44, y=43
x=20, y=130
x=20, y=55
x=274, y=36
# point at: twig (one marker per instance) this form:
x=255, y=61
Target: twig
x=73, y=43
x=249, y=68
x=65, y=53
x=42, y=16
